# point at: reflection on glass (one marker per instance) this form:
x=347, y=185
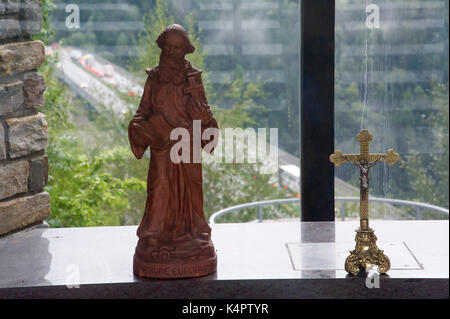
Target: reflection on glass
x=392, y=79
x=249, y=51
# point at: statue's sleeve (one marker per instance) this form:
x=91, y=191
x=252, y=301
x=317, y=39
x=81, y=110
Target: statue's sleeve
x=138, y=132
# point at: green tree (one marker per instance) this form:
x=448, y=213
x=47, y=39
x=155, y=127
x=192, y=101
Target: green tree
x=46, y=32
x=83, y=188
x=155, y=22
x=429, y=172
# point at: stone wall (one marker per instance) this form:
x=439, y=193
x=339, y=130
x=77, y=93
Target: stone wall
x=23, y=130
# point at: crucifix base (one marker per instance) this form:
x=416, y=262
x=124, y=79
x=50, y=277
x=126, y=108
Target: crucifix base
x=366, y=253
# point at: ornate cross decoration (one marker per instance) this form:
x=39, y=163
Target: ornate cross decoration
x=366, y=252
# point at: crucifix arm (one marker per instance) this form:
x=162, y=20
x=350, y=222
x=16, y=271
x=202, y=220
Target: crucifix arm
x=377, y=161
x=357, y=164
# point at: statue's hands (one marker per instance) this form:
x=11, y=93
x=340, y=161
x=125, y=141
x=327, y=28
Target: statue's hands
x=198, y=110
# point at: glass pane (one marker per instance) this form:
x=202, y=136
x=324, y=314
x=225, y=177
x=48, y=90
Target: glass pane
x=392, y=79
x=249, y=52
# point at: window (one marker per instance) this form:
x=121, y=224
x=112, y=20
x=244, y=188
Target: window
x=392, y=79
x=249, y=51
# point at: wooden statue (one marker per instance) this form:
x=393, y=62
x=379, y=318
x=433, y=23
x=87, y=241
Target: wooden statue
x=174, y=237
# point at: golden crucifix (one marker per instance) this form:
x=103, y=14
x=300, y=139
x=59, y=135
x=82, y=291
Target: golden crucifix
x=366, y=252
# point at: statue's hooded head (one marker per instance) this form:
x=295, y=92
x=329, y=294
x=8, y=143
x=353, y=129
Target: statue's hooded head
x=180, y=31
x=174, y=43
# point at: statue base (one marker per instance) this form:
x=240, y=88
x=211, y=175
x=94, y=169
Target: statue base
x=174, y=270
x=366, y=253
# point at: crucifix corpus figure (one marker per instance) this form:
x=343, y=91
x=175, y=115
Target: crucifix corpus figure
x=366, y=252
x=174, y=237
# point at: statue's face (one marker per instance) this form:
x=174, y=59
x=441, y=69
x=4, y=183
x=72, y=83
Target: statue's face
x=174, y=45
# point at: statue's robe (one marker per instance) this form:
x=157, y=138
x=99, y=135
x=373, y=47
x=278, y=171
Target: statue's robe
x=173, y=217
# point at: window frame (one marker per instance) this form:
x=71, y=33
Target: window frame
x=317, y=63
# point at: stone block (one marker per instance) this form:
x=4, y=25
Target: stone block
x=9, y=28
x=2, y=143
x=11, y=97
x=21, y=212
x=11, y=6
x=33, y=90
x=21, y=18
x=14, y=179
x=30, y=16
x=38, y=173
x=27, y=135
x=21, y=56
